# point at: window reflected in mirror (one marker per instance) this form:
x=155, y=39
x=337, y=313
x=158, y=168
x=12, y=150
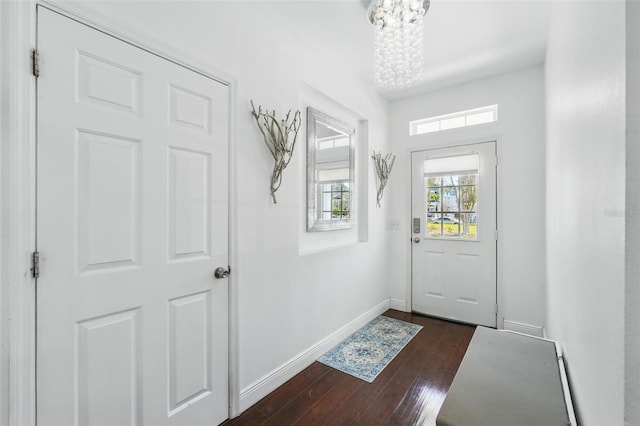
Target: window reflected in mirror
x=452, y=197
x=330, y=172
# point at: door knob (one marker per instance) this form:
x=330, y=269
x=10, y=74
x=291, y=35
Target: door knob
x=221, y=272
x=416, y=240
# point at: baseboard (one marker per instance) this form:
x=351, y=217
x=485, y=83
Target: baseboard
x=269, y=382
x=532, y=330
x=398, y=304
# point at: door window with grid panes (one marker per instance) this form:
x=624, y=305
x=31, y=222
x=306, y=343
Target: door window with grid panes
x=452, y=199
x=334, y=200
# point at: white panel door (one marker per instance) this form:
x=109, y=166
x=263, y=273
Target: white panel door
x=132, y=222
x=454, y=233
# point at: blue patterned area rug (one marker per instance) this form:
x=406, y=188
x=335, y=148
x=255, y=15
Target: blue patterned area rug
x=369, y=350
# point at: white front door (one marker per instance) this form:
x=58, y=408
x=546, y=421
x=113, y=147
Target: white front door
x=454, y=234
x=132, y=222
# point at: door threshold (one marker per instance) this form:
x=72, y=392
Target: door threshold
x=450, y=319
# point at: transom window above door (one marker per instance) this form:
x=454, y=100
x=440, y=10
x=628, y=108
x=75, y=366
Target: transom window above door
x=452, y=197
x=471, y=117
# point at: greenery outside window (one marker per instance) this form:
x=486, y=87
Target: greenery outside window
x=452, y=206
x=335, y=200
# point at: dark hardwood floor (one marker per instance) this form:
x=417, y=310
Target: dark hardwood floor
x=409, y=391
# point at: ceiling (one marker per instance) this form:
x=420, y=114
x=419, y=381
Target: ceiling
x=464, y=39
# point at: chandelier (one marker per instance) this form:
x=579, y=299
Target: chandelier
x=398, y=34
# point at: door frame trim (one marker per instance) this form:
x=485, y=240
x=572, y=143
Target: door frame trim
x=17, y=212
x=18, y=194
x=499, y=278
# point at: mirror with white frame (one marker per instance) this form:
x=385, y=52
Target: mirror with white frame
x=330, y=172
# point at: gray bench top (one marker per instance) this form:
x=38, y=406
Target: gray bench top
x=506, y=379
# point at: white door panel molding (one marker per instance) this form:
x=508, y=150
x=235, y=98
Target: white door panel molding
x=132, y=222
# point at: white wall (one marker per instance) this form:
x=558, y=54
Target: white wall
x=585, y=89
x=632, y=226
x=520, y=136
x=287, y=302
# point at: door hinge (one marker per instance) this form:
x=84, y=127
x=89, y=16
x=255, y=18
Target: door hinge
x=496, y=235
x=35, y=264
x=35, y=63
x=496, y=309
x=496, y=161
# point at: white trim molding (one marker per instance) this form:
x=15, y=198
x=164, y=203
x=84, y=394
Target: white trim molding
x=275, y=378
x=234, y=279
x=519, y=327
x=398, y=305
x=17, y=225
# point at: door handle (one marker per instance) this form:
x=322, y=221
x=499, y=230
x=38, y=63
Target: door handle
x=416, y=240
x=220, y=272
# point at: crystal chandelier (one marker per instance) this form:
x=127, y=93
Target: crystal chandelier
x=398, y=34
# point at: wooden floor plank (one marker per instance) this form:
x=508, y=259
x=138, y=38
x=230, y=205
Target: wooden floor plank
x=250, y=417
x=345, y=387
x=305, y=400
x=299, y=383
x=410, y=390
x=394, y=393
x=358, y=403
x=410, y=409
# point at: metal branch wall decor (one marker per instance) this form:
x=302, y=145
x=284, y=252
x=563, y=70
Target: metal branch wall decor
x=383, y=165
x=280, y=137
